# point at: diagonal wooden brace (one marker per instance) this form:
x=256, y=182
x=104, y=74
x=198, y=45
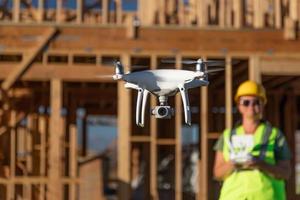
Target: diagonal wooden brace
x=21, y=68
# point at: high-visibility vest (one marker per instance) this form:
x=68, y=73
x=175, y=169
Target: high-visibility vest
x=253, y=184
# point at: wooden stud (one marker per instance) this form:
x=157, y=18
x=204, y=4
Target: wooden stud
x=54, y=186
x=278, y=14
x=254, y=68
x=29, y=142
x=222, y=14
x=73, y=159
x=59, y=11
x=79, y=11
x=258, y=14
x=178, y=132
x=204, y=144
x=202, y=18
x=124, y=124
x=153, y=145
x=12, y=165
x=119, y=11
x=24, y=65
x=238, y=13
x=16, y=10
x=228, y=90
x=105, y=11
x=42, y=131
x=40, y=16
x=294, y=10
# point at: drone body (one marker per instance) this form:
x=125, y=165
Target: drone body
x=163, y=83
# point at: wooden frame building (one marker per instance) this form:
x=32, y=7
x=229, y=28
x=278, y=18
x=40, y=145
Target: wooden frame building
x=50, y=56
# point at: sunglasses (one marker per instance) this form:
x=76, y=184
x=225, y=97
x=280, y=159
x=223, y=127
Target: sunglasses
x=248, y=102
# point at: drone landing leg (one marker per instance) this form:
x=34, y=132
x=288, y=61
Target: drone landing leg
x=186, y=104
x=145, y=96
x=138, y=106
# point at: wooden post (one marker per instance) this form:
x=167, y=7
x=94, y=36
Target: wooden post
x=16, y=10
x=178, y=148
x=79, y=12
x=153, y=145
x=294, y=10
x=54, y=187
x=73, y=160
x=204, y=144
x=238, y=13
x=278, y=14
x=222, y=13
x=12, y=165
x=41, y=4
x=119, y=13
x=124, y=130
x=258, y=15
x=105, y=11
x=202, y=17
x=42, y=131
x=162, y=12
x=254, y=69
x=228, y=91
x=59, y=7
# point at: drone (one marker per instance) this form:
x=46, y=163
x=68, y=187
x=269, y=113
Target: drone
x=164, y=83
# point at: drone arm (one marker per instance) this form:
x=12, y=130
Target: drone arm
x=132, y=86
x=138, y=106
x=186, y=104
x=145, y=96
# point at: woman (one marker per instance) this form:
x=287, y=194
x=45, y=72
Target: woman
x=253, y=158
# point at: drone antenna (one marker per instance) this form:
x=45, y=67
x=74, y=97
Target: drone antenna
x=119, y=68
x=119, y=71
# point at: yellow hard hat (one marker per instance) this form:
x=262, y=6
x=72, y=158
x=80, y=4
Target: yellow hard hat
x=251, y=88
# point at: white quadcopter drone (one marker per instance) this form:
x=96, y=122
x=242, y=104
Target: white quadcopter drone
x=164, y=83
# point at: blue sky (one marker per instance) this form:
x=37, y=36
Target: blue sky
x=127, y=4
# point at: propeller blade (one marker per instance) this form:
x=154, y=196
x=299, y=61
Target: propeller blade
x=213, y=63
x=214, y=70
x=104, y=76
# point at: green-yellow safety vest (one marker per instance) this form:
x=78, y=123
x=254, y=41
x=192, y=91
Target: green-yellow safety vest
x=253, y=184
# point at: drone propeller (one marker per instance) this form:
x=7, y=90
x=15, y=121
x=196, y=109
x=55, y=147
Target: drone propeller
x=104, y=76
x=211, y=63
x=214, y=70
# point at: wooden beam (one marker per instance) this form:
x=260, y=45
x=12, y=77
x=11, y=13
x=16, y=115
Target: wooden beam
x=42, y=129
x=238, y=13
x=278, y=14
x=202, y=17
x=79, y=11
x=16, y=10
x=258, y=14
x=25, y=64
x=105, y=11
x=54, y=186
x=59, y=11
x=40, y=16
x=203, y=190
x=178, y=132
x=280, y=66
x=228, y=90
x=12, y=164
x=254, y=68
x=119, y=13
x=294, y=10
x=124, y=130
x=153, y=144
x=73, y=159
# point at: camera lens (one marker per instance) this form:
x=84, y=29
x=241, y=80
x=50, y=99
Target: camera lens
x=162, y=111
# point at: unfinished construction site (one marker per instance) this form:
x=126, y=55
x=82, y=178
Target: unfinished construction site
x=51, y=52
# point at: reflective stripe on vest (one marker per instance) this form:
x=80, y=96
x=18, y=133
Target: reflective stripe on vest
x=253, y=184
